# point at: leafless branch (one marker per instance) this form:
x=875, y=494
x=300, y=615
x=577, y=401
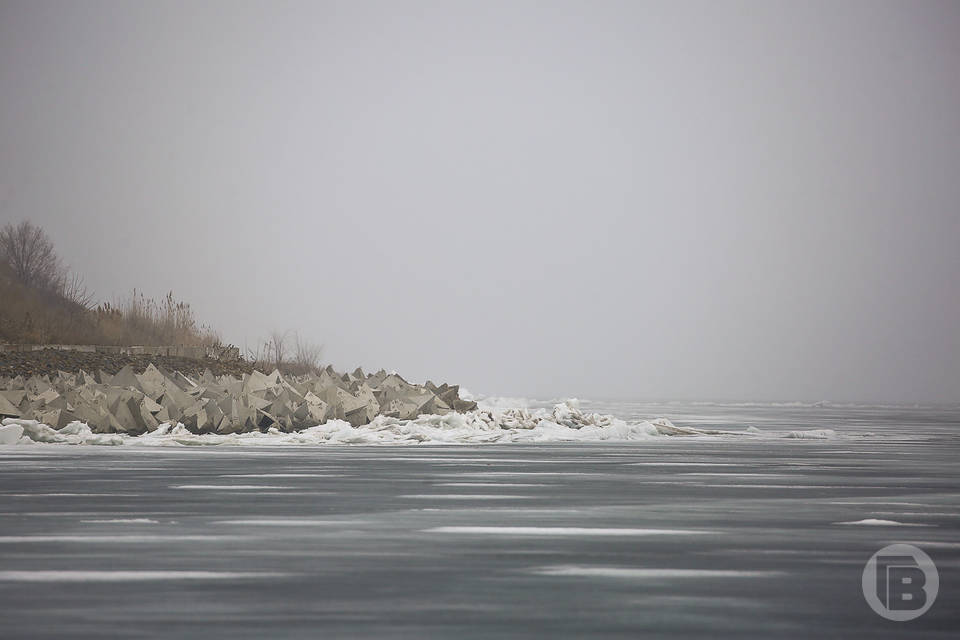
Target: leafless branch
x=30, y=254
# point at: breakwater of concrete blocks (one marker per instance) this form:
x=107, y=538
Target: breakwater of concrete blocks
x=133, y=403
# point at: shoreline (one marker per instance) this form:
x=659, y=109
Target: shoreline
x=133, y=403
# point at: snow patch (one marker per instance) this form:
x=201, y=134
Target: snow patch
x=813, y=434
x=10, y=433
x=74, y=433
x=565, y=422
x=876, y=522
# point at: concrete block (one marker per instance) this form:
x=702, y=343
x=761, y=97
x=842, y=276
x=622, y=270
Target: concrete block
x=255, y=382
x=266, y=420
x=366, y=395
x=126, y=378
x=14, y=396
x=152, y=382
x=357, y=417
x=195, y=417
x=183, y=381
x=126, y=421
x=7, y=410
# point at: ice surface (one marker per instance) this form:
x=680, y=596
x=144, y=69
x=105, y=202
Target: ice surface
x=464, y=496
x=227, y=487
x=565, y=531
x=632, y=572
x=126, y=576
x=123, y=521
x=598, y=578
x=107, y=539
x=493, y=484
x=287, y=522
x=282, y=475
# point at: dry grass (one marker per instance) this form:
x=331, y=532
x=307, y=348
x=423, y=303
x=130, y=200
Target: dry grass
x=141, y=320
x=40, y=316
x=42, y=302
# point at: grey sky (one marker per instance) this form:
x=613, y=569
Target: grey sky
x=682, y=199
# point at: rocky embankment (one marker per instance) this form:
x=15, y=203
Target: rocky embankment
x=48, y=362
x=133, y=402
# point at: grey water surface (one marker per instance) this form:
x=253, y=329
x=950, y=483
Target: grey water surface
x=726, y=536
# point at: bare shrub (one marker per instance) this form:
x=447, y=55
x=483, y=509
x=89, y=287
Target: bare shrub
x=277, y=347
x=287, y=352
x=75, y=292
x=306, y=355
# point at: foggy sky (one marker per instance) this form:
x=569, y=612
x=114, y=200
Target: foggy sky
x=691, y=200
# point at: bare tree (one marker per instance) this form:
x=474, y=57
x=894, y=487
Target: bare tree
x=30, y=254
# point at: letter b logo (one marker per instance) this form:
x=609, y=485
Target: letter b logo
x=900, y=582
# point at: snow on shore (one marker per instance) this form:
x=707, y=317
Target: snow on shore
x=563, y=423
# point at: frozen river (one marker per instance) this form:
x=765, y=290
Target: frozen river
x=687, y=537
